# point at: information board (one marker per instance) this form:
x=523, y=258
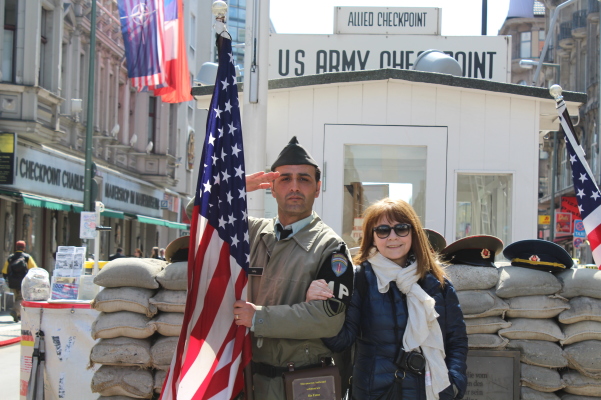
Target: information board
x=7, y=158
x=493, y=375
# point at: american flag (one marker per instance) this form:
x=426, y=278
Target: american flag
x=585, y=187
x=142, y=30
x=212, y=350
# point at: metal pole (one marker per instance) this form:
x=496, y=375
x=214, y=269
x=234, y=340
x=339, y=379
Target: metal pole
x=87, y=204
x=553, y=170
x=484, y=16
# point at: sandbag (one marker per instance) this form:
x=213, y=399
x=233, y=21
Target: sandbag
x=126, y=271
x=540, y=378
x=498, y=307
x=159, y=379
x=122, y=323
x=518, y=281
x=580, y=282
x=168, y=324
x=466, y=277
x=581, y=309
x=123, y=381
x=132, y=299
x=540, y=353
x=580, y=331
x=576, y=383
x=122, y=351
x=585, y=357
x=485, y=325
x=536, y=306
x=527, y=393
x=170, y=300
x=174, y=276
x=486, y=341
x=162, y=351
x=532, y=329
x=576, y=397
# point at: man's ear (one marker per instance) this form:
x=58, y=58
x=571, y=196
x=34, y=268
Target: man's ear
x=318, y=189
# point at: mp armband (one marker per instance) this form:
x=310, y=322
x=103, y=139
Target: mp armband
x=337, y=271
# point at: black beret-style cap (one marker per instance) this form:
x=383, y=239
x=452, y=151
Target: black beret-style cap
x=538, y=254
x=477, y=251
x=294, y=154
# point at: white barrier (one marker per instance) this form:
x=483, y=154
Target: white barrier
x=66, y=327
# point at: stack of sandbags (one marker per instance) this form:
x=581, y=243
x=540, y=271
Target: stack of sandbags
x=482, y=310
x=534, y=304
x=126, y=328
x=581, y=326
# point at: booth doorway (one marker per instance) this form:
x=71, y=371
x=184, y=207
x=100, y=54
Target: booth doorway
x=365, y=163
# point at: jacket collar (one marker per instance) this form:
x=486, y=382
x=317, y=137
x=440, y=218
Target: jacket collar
x=304, y=238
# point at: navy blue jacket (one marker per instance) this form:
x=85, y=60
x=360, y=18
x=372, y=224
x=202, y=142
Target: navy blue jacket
x=369, y=322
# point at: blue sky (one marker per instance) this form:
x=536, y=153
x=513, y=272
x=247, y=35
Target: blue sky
x=459, y=17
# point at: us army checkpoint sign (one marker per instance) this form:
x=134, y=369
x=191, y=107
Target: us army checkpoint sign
x=482, y=57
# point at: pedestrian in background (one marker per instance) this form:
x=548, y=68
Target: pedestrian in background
x=138, y=253
x=118, y=254
x=14, y=270
x=155, y=253
x=162, y=254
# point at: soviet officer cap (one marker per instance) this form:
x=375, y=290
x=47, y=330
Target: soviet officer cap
x=437, y=241
x=538, y=254
x=477, y=251
x=177, y=250
x=294, y=154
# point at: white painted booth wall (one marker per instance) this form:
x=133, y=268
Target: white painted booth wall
x=488, y=132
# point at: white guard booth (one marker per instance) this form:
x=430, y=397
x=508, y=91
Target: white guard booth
x=68, y=340
x=463, y=151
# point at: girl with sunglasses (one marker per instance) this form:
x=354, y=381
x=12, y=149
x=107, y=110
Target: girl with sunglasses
x=404, y=316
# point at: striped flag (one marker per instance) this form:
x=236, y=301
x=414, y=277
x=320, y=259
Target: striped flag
x=177, y=74
x=585, y=187
x=212, y=350
x=142, y=30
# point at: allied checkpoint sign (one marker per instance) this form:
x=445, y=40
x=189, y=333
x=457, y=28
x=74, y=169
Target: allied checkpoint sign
x=387, y=20
x=291, y=55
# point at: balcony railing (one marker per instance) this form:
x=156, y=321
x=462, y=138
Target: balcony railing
x=565, y=31
x=579, y=19
x=593, y=6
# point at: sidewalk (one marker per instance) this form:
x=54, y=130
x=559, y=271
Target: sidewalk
x=10, y=331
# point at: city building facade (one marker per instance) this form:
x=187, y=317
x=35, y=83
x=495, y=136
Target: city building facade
x=145, y=150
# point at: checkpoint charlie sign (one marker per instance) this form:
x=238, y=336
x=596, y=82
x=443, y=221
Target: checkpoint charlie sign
x=387, y=20
x=482, y=57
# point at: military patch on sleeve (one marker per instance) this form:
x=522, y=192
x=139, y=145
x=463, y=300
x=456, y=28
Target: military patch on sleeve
x=337, y=271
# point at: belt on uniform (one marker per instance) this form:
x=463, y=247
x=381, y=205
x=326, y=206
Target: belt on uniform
x=271, y=371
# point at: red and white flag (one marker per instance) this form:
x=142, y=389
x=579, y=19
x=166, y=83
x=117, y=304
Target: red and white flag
x=212, y=350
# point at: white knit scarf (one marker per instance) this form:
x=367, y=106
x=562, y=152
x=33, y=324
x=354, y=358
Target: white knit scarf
x=422, y=328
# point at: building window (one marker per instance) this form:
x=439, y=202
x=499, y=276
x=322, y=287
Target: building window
x=525, y=44
x=7, y=66
x=192, y=32
x=484, y=205
x=152, y=123
x=565, y=172
x=172, y=149
x=541, y=40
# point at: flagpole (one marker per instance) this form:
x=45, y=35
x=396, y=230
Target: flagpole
x=87, y=203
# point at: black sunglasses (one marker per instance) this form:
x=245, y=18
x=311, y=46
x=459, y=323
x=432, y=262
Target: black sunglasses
x=401, y=230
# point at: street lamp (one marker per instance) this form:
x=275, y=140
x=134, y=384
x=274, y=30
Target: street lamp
x=528, y=64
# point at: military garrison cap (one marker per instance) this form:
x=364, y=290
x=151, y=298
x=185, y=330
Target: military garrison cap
x=538, y=254
x=437, y=241
x=177, y=250
x=293, y=154
x=477, y=251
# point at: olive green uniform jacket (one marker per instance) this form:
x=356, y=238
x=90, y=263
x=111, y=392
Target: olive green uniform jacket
x=286, y=328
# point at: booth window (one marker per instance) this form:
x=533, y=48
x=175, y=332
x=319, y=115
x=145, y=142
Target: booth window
x=484, y=204
x=373, y=172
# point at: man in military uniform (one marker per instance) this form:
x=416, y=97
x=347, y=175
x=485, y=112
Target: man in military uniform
x=286, y=254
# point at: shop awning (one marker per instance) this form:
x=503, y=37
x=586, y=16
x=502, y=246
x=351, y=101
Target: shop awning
x=45, y=202
x=112, y=214
x=161, y=222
